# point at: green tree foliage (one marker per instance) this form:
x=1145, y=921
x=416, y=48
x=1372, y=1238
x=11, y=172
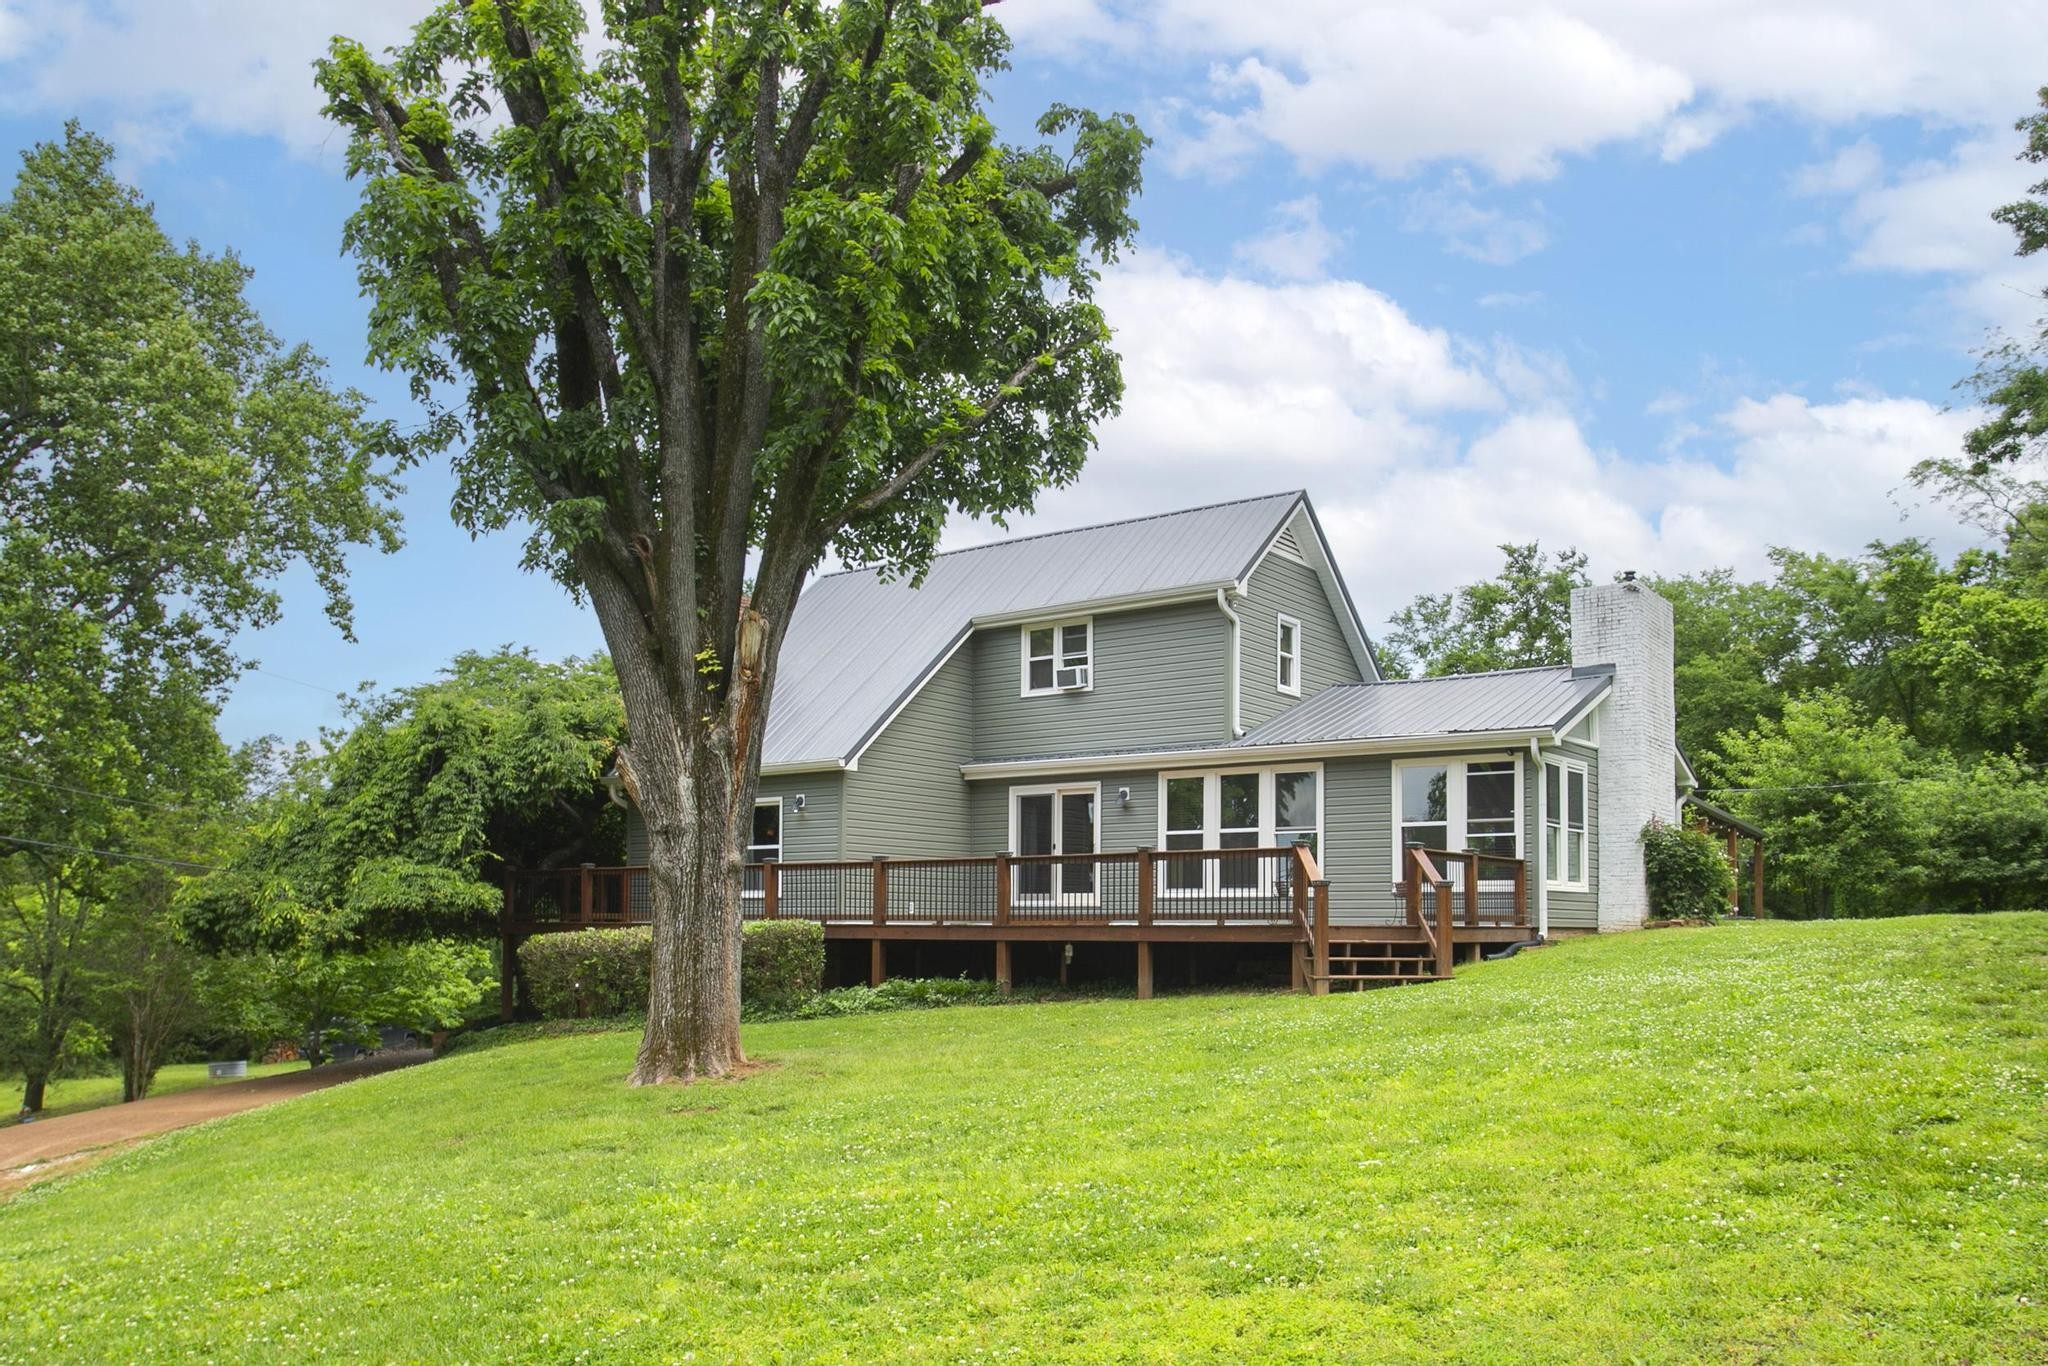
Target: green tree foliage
x=163, y=459
x=344, y=996
x=755, y=277
x=1833, y=786
x=401, y=827
x=1517, y=619
x=2013, y=379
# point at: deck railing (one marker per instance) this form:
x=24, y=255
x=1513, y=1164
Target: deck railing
x=1443, y=889
x=1271, y=886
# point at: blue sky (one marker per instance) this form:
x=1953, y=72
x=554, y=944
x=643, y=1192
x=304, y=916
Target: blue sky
x=1671, y=282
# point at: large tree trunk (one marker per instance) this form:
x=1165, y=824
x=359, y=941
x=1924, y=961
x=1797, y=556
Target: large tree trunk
x=694, y=863
x=32, y=1088
x=694, y=783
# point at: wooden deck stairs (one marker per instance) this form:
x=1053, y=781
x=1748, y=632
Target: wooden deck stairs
x=1360, y=964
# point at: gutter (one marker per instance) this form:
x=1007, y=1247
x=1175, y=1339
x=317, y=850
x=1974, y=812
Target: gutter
x=1236, y=682
x=1469, y=742
x=1542, y=823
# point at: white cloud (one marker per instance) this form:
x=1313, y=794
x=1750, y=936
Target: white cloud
x=1934, y=218
x=1295, y=247
x=1238, y=388
x=1851, y=169
x=1452, y=213
x=1514, y=87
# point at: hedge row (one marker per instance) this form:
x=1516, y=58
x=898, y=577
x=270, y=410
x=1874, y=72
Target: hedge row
x=594, y=973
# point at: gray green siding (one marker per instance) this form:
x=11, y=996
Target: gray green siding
x=905, y=796
x=1283, y=585
x=812, y=833
x=1160, y=679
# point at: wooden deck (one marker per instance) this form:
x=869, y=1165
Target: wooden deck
x=1142, y=897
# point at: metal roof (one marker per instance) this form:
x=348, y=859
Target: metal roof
x=859, y=645
x=1458, y=704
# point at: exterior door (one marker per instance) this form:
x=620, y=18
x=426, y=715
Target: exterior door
x=1054, y=821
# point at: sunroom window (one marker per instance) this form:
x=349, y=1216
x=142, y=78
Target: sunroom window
x=1059, y=658
x=1255, y=809
x=1564, y=825
x=1456, y=804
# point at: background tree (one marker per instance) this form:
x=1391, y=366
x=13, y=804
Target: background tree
x=758, y=277
x=163, y=458
x=2013, y=379
x=1518, y=619
x=401, y=827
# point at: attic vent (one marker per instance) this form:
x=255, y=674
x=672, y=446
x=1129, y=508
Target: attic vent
x=1286, y=545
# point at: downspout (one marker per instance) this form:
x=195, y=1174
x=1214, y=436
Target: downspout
x=1542, y=827
x=1236, y=711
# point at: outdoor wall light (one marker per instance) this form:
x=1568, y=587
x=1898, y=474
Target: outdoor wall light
x=1123, y=796
x=798, y=804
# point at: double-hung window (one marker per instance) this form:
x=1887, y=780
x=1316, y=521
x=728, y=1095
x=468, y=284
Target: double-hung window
x=1059, y=658
x=1246, y=809
x=1564, y=825
x=1287, y=649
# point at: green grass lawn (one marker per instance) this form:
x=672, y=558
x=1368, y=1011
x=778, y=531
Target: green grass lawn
x=1748, y=1143
x=69, y=1095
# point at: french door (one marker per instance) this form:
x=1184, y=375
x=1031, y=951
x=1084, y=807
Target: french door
x=1054, y=820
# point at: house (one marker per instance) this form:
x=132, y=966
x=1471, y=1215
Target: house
x=1173, y=731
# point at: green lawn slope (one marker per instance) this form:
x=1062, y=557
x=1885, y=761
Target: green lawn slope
x=1771, y=1142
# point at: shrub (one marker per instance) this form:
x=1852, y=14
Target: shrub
x=1688, y=872
x=782, y=962
x=898, y=993
x=589, y=974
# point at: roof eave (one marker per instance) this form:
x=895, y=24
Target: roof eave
x=1455, y=742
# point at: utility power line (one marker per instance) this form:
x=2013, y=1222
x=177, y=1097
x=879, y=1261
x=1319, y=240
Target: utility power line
x=17, y=776
x=113, y=853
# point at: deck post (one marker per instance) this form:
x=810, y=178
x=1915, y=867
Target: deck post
x=881, y=889
x=1735, y=871
x=1005, y=978
x=1472, y=889
x=508, y=989
x=878, y=963
x=1145, y=886
x=771, y=890
x=589, y=890
x=1321, y=985
x=1521, y=891
x=1445, y=921
x=1756, y=878
x=1003, y=887
x=1144, y=970
x=1412, y=881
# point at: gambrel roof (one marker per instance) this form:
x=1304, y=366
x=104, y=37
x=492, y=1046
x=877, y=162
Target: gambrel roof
x=860, y=645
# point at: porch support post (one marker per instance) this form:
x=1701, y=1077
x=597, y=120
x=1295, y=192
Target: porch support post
x=1005, y=979
x=1145, y=887
x=1411, y=880
x=589, y=890
x=1144, y=970
x=771, y=890
x=877, y=962
x=1321, y=985
x=1735, y=871
x=1756, y=878
x=1445, y=921
x=1521, y=891
x=1471, y=889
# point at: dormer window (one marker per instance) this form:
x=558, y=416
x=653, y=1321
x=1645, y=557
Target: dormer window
x=1059, y=658
x=1289, y=654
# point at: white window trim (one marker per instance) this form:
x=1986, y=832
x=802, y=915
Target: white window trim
x=780, y=840
x=1552, y=877
x=1058, y=629
x=1212, y=818
x=1280, y=656
x=1454, y=813
x=1056, y=896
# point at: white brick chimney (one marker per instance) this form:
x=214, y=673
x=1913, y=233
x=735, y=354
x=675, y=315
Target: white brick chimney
x=1629, y=627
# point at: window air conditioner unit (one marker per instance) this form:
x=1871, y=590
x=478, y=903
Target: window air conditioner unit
x=1073, y=679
